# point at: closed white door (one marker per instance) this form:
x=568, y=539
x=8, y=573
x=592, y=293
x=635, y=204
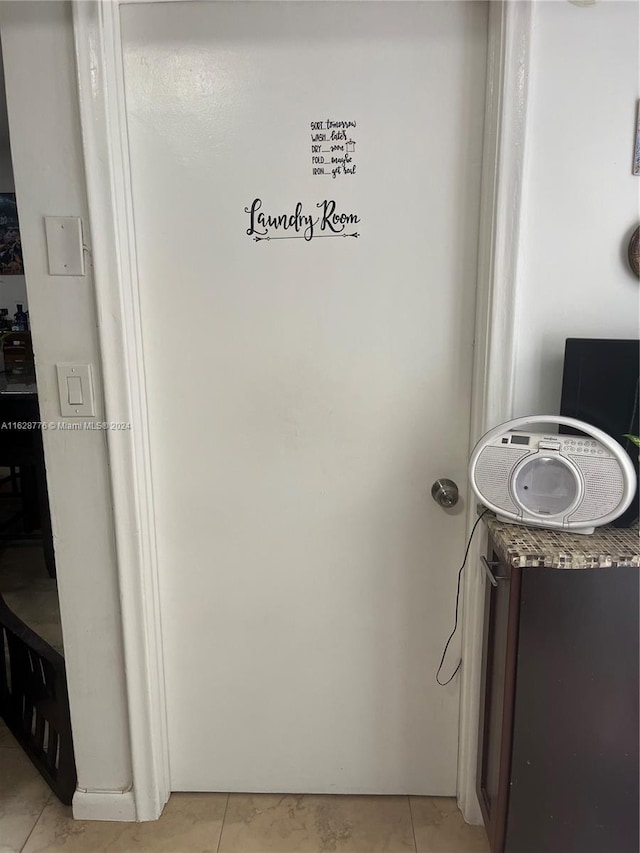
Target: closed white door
x=306, y=191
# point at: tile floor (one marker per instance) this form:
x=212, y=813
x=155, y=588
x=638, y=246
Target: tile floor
x=33, y=821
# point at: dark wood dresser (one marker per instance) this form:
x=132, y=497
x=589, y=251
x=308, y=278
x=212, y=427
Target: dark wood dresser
x=558, y=763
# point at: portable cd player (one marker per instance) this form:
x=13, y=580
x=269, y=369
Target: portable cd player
x=569, y=482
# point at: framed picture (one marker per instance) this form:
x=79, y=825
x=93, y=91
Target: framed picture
x=10, y=247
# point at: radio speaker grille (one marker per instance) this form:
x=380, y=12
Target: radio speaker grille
x=603, y=487
x=493, y=470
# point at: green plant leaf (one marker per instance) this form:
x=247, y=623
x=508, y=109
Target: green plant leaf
x=634, y=438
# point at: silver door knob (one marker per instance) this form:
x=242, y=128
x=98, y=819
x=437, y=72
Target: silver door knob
x=445, y=492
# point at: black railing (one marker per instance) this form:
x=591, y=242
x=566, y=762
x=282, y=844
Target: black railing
x=34, y=702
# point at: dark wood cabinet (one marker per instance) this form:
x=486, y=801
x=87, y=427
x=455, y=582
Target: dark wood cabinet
x=558, y=763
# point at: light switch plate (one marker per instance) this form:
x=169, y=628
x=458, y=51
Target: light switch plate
x=75, y=383
x=64, y=245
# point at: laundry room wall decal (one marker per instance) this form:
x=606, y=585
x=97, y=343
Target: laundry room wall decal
x=327, y=222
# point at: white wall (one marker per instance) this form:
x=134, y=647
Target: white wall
x=12, y=287
x=38, y=47
x=580, y=198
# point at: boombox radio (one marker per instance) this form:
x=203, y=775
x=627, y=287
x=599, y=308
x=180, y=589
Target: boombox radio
x=571, y=482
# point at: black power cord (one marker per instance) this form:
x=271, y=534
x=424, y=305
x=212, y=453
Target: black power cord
x=455, y=623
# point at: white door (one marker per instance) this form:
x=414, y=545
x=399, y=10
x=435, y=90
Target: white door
x=306, y=388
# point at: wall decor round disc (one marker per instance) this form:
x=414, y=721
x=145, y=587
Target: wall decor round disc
x=634, y=251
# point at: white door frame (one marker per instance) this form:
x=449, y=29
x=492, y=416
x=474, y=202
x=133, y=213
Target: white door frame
x=106, y=152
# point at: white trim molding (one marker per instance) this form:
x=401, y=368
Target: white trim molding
x=104, y=805
x=106, y=152
x=494, y=353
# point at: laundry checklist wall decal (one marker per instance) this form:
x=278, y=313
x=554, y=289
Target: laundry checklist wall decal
x=297, y=224
x=333, y=148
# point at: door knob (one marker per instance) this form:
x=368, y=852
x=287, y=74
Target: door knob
x=445, y=492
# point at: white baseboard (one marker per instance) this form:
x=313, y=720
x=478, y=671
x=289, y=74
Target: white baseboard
x=471, y=811
x=104, y=805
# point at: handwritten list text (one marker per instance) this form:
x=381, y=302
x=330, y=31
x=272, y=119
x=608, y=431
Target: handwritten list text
x=333, y=148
